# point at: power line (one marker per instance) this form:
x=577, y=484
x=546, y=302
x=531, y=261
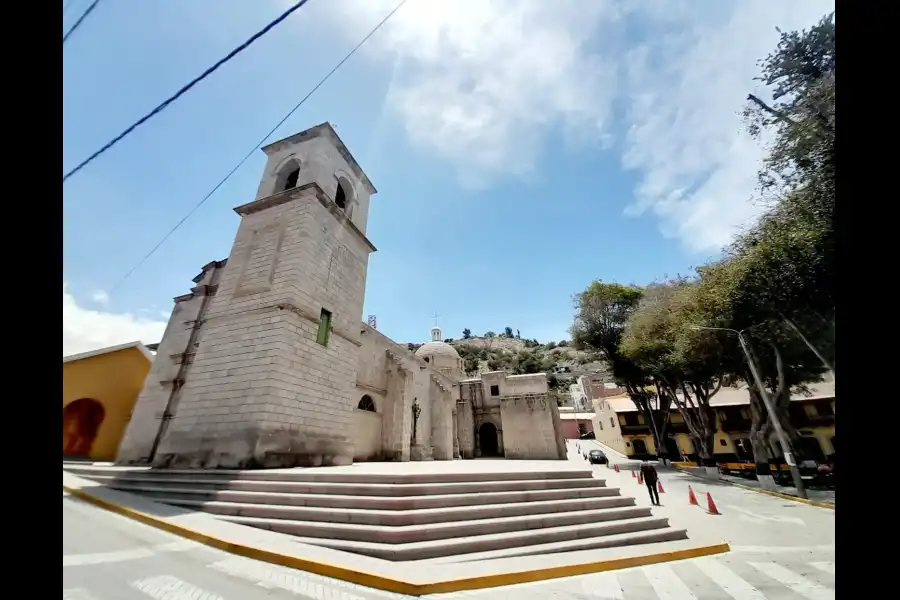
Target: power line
x=81, y=19
x=184, y=89
x=255, y=148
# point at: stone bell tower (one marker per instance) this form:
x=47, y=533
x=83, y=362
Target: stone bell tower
x=274, y=369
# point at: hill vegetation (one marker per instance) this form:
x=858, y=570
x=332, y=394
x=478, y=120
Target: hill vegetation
x=509, y=352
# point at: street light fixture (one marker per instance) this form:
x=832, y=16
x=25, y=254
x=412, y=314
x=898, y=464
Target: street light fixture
x=764, y=394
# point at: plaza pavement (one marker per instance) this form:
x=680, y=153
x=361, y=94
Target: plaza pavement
x=781, y=550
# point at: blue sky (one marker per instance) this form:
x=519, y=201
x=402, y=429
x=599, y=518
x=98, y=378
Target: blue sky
x=521, y=148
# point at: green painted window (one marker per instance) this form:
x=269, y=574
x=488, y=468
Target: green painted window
x=324, y=327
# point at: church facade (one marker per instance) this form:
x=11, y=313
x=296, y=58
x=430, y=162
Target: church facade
x=265, y=363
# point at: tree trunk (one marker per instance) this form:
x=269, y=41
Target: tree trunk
x=642, y=400
x=696, y=416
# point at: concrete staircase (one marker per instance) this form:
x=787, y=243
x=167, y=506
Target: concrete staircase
x=433, y=517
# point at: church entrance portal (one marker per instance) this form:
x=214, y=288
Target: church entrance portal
x=487, y=440
x=81, y=422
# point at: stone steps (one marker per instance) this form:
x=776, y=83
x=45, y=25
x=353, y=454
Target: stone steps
x=401, y=518
x=88, y=470
x=408, y=534
x=652, y=536
x=177, y=494
x=592, y=535
x=447, y=516
x=345, y=489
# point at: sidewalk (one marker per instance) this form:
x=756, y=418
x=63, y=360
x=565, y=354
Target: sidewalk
x=748, y=518
x=818, y=495
x=625, y=463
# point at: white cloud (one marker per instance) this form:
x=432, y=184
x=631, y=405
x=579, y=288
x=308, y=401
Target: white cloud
x=686, y=139
x=85, y=329
x=483, y=83
x=100, y=297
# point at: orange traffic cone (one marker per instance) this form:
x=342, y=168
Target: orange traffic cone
x=633, y=474
x=616, y=468
x=692, y=499
x=712, y=505
x=660, y=488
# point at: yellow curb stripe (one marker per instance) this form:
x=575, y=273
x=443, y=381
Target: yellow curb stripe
x=818, y=503
x=394, y=585
x=503, y=579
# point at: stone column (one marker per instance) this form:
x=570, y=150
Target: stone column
x=455, y=429
x=441, y=423
x=465, y=422
x=398, y=422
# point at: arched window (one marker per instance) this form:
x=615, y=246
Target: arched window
x=287, y=176
x=366, y=403
x=340, y=197
x=291, y=181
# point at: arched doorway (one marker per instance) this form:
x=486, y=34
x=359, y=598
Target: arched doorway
x=81, y=422
x=640, y=448
x=487, y=440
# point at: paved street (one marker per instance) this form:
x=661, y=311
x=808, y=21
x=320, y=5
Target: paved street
x=109, y=557
x=782, y=550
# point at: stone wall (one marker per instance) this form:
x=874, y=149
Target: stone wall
x=405, y=378
x=366, y=435
x=322, y=159
x=174, y=357
x=262, y=391
x=531, y=428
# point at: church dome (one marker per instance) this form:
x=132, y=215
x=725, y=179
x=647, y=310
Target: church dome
x=437, y=347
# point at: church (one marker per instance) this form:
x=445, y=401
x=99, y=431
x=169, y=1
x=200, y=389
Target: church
x=266, y=363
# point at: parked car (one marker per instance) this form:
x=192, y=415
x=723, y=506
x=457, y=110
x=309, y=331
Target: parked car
x=588, y=436
x=597, y=457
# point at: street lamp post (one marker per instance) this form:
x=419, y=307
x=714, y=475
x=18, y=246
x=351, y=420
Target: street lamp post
x=764, y=394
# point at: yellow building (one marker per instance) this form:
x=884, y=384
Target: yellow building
x=619, y=425
x=99, y=391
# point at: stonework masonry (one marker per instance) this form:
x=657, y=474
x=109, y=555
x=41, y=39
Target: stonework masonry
x=174, y=357
x=266, y=362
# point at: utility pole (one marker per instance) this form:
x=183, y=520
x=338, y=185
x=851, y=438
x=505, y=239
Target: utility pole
x=767, y=401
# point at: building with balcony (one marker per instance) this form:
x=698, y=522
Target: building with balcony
x=618, y=424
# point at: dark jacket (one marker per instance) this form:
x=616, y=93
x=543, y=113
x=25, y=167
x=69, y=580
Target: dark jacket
x=648, y=472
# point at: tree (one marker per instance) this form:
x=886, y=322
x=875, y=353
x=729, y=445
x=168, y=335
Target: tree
x=687, y=367
x=508, y=332
x=602, y=312
x=467, y=333
x=785, y=361
x=470, y=365
x=793, y=246
x=779, y=278
x=518, y=336
x=490, y=335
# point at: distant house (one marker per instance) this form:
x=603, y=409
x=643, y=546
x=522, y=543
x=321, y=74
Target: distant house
x=100, y=389
x=618, y=424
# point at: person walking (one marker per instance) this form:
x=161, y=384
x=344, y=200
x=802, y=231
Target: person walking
x=648, y=472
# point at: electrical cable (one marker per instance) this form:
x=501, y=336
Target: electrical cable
x=81, y=19
x=255, y=148
x=184, y=89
